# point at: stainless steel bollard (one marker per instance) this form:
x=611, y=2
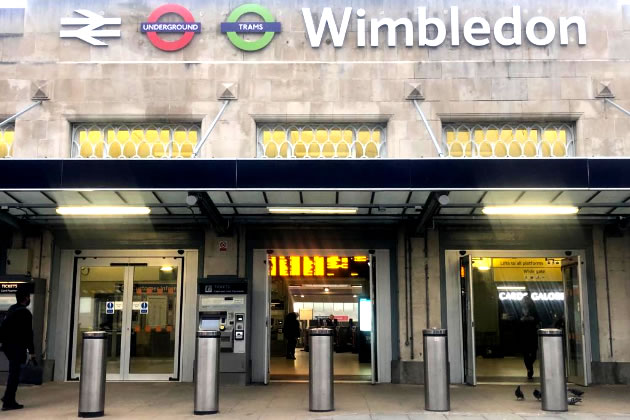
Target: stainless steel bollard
x=207, y=372
x=93, y=370
x=552, y=371
x=437, y=395
x=320, y=381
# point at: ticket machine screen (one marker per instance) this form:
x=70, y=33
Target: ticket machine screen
x=208, y=324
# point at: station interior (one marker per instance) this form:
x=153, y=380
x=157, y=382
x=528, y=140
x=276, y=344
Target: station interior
x=331, y=291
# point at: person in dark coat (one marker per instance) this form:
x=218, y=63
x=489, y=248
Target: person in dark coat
x=18, y=338
x=291, y=333
x=529, y=334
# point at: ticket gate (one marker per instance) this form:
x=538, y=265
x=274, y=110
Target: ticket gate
x=8, y=287
x=223, y=306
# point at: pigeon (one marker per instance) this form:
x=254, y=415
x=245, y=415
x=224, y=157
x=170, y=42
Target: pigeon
x=519, y=394
x=574, y=400
x=575, y=392
x=537, y=394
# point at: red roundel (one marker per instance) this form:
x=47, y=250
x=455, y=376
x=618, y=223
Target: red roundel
x=171, y=45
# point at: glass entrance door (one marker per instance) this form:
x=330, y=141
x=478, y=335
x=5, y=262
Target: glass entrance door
x=136, y=302
x=574, y=321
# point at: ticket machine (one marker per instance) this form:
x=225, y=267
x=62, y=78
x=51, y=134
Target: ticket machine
x=223, y=306
x=8, y=287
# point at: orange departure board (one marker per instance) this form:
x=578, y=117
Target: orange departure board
x=316, y=266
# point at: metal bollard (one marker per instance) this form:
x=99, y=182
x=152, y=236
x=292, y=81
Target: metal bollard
x=93, y=370
x=207, y=372
x=320, y=383
x=437, y=395
x=552, y=371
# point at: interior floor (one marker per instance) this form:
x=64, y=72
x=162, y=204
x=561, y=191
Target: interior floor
x=505, y=369
x=345, y=365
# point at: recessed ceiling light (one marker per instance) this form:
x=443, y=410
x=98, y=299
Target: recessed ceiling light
x=312, y=210
x=102, y=211
x=354, y=296
x=326, y=289
x=166, y=268
x=301, y=296
x=529, y=210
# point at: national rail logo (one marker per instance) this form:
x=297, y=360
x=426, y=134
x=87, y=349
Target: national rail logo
x=233, y=27
x=153, y=27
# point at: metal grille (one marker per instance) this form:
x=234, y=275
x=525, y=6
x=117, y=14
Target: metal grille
x=135, y=141
x=509, y=140
x=7, y=136
x=321, y=141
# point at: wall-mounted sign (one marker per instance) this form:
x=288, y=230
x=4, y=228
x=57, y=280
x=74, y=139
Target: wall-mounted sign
x=233, y=27
x=109, y=308
x=476, y=30
x=153, y=27
x=89, y=32
x=223, y=246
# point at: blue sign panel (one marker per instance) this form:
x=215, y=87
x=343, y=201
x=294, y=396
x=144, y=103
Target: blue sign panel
x=109, y=308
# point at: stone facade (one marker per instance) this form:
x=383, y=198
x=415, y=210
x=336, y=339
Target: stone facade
x=132, y=80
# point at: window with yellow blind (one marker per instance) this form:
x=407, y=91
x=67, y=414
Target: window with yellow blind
x=506, y=140
x=7, y=136
x=312, y=141
x=134, y=141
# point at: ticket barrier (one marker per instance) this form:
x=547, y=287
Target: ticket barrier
x=223, y=307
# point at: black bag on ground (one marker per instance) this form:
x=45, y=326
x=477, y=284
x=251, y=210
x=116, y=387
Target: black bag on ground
x=31, y=374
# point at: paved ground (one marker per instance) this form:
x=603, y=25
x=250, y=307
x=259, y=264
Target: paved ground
x=283, y=401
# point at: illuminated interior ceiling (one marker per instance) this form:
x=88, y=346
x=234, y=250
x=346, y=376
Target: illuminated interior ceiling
x=170, y=207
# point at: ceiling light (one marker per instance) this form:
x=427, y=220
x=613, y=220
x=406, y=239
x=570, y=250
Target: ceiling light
x=511, y=288
x=102, y=211
x=312, y=210
x=530, y=210
x=483, y=268
x=354, y=296
x=326, y=289
x=166, y=268
x=301, y=296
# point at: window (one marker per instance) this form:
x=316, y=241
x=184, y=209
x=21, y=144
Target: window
x=509, y=140
x=321, y=141
x=135, y=141
x=7, y=135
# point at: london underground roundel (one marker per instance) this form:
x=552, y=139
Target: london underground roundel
x=153, y=27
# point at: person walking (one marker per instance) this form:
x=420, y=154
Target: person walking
x=529, y=334
x=17, y=338
x=291, y=333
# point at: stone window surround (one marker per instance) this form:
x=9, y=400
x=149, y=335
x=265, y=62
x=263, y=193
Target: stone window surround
x=572, y=118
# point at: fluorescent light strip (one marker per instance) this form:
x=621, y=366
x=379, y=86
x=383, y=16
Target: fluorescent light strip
x=12, y=4
x=312, y=210
x=529, y=210
x=102, y=211
x=511, y=288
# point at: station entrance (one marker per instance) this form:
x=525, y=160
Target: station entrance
x=505, y=300
x=346, y=290
x=136, y=301
x=318, y=291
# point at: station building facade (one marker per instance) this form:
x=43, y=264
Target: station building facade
x=337, y=160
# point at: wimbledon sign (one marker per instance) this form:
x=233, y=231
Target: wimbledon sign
x=477, y=31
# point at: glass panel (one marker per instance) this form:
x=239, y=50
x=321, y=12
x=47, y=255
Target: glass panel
x=140, y=141
x=574, y=332
x=6, y=141
x=153, y=316
x=99, y=286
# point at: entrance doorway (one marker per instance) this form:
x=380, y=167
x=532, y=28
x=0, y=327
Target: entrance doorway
x=374, y=302
x=317, y=291
x=505, y=300
x=136, y=301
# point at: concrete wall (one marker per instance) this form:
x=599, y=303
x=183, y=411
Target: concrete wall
x=132, y=80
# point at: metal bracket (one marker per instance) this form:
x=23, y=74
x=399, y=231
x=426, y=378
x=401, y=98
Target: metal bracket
x=426, y=124
x=619, y=107
x=212, y=125
x=25, y=110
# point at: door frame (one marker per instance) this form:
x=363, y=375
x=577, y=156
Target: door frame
x=63, y=312
x=125, y=344
x=454, y=308
x=260, y=289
